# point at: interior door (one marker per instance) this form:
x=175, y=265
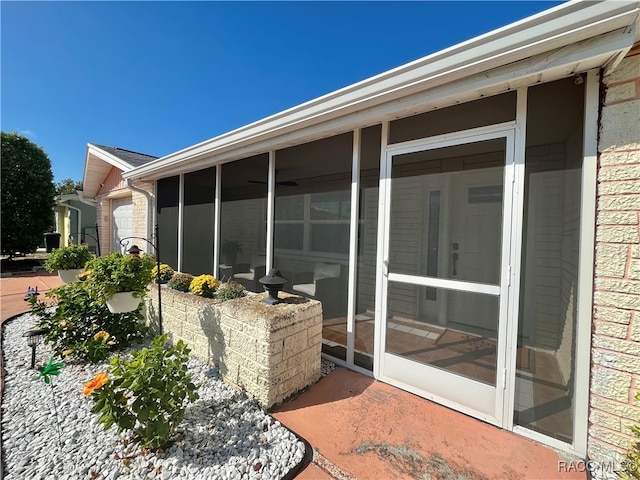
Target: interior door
x=446, y=269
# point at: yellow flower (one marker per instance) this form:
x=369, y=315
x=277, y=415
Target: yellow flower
x=67, y=352
x=101, y=335
x=97, y=382
x=111, y=342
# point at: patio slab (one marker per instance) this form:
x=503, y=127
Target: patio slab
x=371, y=430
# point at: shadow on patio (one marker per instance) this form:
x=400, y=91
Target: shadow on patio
x=371, y=430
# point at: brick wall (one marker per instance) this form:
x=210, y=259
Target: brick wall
x=615, y=375
x=270, y=352
x=103, y=210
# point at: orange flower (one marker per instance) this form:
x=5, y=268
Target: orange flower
x=98, y=381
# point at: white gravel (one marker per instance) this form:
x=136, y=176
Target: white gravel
x=224, y=434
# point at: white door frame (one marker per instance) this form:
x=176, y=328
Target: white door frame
x=393, y=370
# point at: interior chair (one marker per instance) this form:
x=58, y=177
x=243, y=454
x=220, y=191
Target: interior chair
x=327, y=284
x=248, y=274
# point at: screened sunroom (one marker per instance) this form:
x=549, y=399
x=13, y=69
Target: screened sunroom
x=442, y=213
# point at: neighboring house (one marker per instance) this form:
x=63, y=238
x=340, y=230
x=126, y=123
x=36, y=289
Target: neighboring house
x=75, y=218
x=469, y=221
x=122, y=208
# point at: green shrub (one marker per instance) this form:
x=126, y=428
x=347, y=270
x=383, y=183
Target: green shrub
x=68, y=258
x=146, y=395
x=204, y=285
x=78, y=317
x=229, y=291
x=180, y=281
x=631, y=462
x=166, y=272
x=117, y=273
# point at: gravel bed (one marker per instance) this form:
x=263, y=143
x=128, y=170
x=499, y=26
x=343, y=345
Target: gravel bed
x=224, y=435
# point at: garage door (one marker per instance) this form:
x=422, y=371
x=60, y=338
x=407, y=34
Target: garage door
x=122, y=221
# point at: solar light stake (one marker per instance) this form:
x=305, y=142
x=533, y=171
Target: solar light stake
x=34, y=338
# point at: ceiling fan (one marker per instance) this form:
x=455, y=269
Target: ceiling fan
x=278, y=184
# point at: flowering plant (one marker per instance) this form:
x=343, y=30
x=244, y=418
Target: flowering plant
x=146, y=395
x=180, y=281
x=97, y=382
x=95, y=349
x=230, y=290
x=204, y=285
x=166, y=272
x=79, y=324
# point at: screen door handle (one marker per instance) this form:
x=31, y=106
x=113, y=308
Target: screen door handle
x=455, y=257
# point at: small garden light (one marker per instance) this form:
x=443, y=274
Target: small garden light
x=31, y=293
x=34, y=337
x=134, y=251
x=273, y=283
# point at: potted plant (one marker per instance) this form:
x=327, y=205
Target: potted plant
x=121, y=280
x=68, y=261
x=229, y=251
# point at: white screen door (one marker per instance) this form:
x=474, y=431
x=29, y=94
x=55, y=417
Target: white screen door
x=446, y=273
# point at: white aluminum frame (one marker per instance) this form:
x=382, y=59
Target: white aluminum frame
x=488, y=400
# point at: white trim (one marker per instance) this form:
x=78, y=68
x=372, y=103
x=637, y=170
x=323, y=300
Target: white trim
x=180, y=220
x=517, y=219
x=382, y=256
x=547, y=440
x=271, y=215
x=586, y=262
x=353, y=244
x=107, y=157
x=216, y=222
x=453, y=138
x=459, y=285
x=524, y=46
x=487, y=401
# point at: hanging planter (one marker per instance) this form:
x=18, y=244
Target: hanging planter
x=123, y=302
x=68, y=261
x=70, y=275
x=120, y=280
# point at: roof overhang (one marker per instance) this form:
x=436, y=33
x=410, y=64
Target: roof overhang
x=98, y=163
x=566, y=40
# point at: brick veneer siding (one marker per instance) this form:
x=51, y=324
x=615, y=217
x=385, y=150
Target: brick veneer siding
x=615, y=374
x=270, y=352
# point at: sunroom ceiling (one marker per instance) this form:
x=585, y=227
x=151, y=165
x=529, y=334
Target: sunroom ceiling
x=563, y=41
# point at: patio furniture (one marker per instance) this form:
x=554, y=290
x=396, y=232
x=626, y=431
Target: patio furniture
x=327, y=284
x=248, y=274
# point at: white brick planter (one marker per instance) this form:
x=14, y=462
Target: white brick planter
x=270, y=352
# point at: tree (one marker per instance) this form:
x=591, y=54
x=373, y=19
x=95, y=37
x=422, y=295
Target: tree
x=27, y=196
x=68, y=185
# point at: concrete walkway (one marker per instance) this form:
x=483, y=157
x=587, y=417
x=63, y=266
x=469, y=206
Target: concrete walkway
x=360, y=428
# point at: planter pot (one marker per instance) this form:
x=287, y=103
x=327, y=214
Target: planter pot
x=70, y=276
x=123, y=302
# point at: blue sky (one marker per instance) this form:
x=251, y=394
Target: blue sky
x=156, y=77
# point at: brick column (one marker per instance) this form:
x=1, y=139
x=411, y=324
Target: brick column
x=615, y=374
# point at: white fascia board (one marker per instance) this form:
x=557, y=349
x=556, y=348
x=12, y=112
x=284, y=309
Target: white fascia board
x=553, y=29
x=108, y=157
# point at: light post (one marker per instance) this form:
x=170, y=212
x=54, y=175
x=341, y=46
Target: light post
x=135, y=251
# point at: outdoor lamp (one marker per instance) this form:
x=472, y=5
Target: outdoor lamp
x=273, y=283
x=34, y=336
x=31, y=292
x=134, y=251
